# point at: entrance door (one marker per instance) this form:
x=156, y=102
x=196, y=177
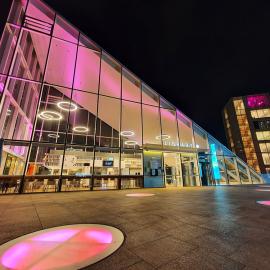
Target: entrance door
x=189, y=169
x=172, y=169
x=153, y=173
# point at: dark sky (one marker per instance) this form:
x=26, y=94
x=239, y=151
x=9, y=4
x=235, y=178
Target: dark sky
x=196, y=53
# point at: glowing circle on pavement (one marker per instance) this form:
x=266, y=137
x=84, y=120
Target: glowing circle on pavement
x=264, y=202
x=140, y=194
x=65, y=247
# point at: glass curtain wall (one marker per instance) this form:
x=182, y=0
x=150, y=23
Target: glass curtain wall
x=73, y=118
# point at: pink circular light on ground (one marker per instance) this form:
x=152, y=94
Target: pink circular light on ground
x=264, y=202
x=140, y=194
x=66, y=247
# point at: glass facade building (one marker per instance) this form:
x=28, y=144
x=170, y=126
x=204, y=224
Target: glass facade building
x=247, y=125
x=74, y=118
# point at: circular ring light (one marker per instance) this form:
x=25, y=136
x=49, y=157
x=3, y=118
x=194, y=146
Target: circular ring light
x=54, y=136
x=127, y=133
x=163, y=137
x=50, y=116
x=81, y=129
x=38, y=250
x=67, y=106
x=130, y=143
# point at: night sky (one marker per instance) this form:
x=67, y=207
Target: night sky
x=197, y=54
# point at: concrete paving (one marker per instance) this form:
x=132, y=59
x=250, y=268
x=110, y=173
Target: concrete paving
x=188, y=228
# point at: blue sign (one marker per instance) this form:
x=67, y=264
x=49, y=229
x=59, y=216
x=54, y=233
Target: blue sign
x=214, y=162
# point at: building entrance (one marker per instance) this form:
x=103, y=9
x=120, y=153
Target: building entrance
x=172, y=169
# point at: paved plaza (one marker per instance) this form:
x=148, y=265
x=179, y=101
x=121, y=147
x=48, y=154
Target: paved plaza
x=189, y=228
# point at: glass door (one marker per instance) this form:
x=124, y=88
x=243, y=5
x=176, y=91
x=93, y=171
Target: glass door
x=172, y=169
x=153, y=171
x=189, y=169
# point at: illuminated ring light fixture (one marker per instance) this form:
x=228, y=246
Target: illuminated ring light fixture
x=39, y=250
x=127, y=133
x=54, y=136
x=67, y=106
x=81, y=129
x=50, y=116
x=131, y=143
x=163, y=137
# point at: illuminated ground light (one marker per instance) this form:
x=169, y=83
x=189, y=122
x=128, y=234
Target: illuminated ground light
x=262, y=189
x=66, y=247
x=140, y=194
x=264, y=202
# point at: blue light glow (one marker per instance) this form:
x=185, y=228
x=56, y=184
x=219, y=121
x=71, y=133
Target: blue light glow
x=214, y=162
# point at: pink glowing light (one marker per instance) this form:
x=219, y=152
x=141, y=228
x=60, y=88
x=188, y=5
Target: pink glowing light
x=66, y=247
x=99, y=236
x=258, y=101
x=56, y=236
x=264, y=202
x=140, y=194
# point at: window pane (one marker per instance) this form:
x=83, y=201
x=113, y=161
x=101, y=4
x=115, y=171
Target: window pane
x=88, y=43
x=131, y=133
x=65, y=31
x=130, y=87
x=110, y=77
x=77, y=168
x=200, y=137
x=13, y=160
x=31, y=56
x=40, y=11
x=218, y=146
x=43, y=168
x=149, y=96
x=17, y=12
x=169, y=129
x=61, y=63
x=53, y=114
x=7, y=47
x=131, y=169
x=151, y=126
x=87, y=70
x=185, y=130
x=18, y=112
x=106, y=169
x=109, y=122
x=82, y=118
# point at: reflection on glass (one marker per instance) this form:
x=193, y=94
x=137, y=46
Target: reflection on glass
x=108, y=124
x=131, y=89
x=106, y=169
x=110, y=77
x=13, y=159
x=169, y=129
x=87, y=70
x=151, y=126
x=44, y=168
x=131, y=134
x=77, y=168
x=61, y=63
